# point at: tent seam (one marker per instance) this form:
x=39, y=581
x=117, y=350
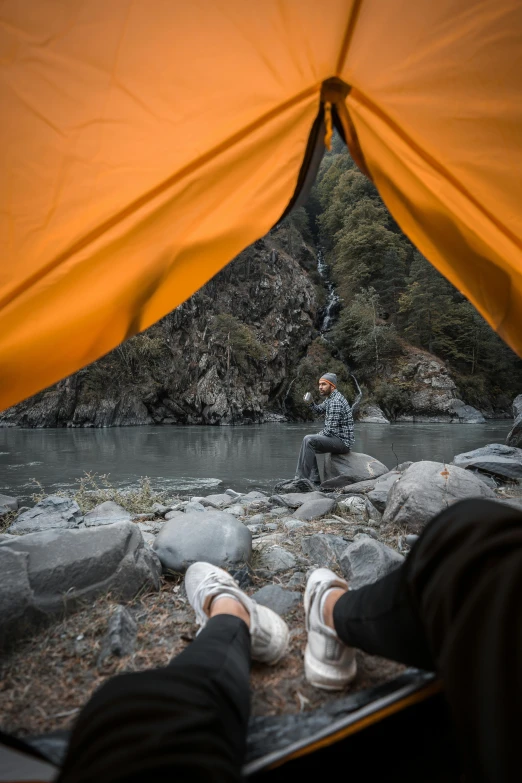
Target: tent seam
x=158, y=190
x=348, y=35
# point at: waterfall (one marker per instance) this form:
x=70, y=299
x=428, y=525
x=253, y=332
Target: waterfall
x=331, y=308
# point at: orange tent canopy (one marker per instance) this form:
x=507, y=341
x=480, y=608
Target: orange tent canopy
x=145, y=143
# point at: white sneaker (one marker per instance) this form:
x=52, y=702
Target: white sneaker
x=329, y=664
x=268, y=632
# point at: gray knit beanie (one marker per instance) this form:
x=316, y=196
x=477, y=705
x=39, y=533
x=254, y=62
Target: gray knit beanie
x=331, y=377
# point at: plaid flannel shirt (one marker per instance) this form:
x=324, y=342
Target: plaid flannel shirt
x=338, y=418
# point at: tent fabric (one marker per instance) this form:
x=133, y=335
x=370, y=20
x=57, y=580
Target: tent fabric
x=145, y=144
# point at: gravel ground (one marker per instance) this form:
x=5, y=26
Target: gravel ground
x=48, y=678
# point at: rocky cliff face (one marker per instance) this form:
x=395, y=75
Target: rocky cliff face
x=224, y=356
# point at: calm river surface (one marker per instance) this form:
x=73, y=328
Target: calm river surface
x=193, y=459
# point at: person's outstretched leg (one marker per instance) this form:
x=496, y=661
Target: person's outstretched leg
x=312, y=445
x=188, y=720
x=307, y=467
x=453, y=606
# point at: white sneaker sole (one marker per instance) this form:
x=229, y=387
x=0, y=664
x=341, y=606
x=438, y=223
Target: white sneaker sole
x=326, y=677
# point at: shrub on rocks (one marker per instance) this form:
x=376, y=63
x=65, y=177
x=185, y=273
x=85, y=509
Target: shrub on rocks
x=354, y=466
x=8, y=503
x=215, y=536
x=50, y=573
x=427, y=488
x=51, y=512
x=366, y=560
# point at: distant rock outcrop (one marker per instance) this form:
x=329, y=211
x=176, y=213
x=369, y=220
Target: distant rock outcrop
x=429, y=391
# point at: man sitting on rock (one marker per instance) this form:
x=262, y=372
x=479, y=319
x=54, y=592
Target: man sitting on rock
x=336, y=437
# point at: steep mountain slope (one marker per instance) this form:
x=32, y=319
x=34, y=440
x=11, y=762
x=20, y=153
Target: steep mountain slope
x=223, y=357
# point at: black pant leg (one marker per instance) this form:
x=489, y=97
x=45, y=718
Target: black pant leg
x=455, y=605
x=382, y=619
x=465, y=575
x=184, y=722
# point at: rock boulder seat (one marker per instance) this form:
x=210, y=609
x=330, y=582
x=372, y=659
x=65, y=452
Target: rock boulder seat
x=353, y=466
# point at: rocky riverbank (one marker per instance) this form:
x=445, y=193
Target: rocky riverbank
x=94, y=589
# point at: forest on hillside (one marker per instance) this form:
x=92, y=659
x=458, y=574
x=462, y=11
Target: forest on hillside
x=390, y=295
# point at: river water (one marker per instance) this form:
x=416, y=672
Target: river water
x=195, y=459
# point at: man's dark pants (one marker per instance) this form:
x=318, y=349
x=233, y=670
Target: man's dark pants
x=307, y=466
x=454, y=606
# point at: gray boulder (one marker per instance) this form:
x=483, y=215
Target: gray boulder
x=8, y=503
x=366, y=560
x=465, y=414
x=353, y=466
x=378, y=496
x=57, y=571
x=257, y=519
x=17, y=610
x=495, y=459
x=233, y=493
x=277, y=598
x=253, y=496
x=298, y=579
x=361, y=507
x=178, y=514
x=314, y=509
x=276, y=559
x=323, y=549
x=517, y=406
x=296, y=499
x=236, y=510
x=120, y=637
x=294, y=524
x=427, y=488
x=217, y=501
x=215, y=537
x=106, y=514
x=160, y=510
x=51, y=512
x=192, y=505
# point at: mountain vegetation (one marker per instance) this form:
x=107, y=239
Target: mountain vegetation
x=392, y=297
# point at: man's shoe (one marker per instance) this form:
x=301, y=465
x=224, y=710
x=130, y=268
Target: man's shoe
x=329, y=664
x=296, y=485
x=268, y=632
